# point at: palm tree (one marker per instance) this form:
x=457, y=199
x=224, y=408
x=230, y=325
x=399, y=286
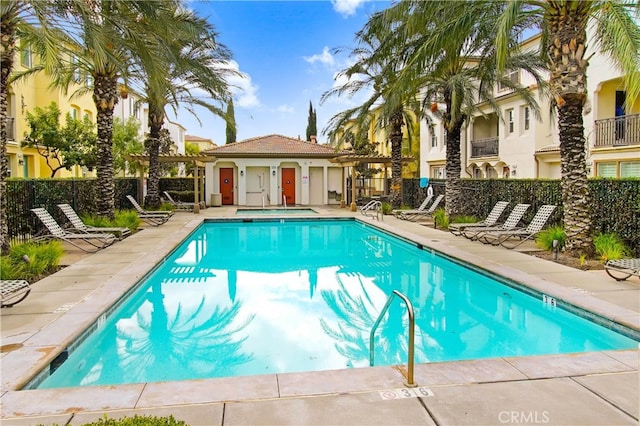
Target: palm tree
x=449, y=61
x=17, y=18
x=564, y=26
x=192, y=61
x=376, y=68
x=101, y=44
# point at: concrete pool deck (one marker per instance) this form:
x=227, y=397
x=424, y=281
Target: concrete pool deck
x=599, y=388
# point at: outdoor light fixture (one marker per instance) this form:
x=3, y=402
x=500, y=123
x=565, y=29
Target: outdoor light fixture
x=241, y=172
x=273, y=172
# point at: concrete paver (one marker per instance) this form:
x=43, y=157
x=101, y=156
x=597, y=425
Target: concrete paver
x=590, y=388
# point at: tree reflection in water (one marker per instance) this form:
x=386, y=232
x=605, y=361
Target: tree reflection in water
x=163, y=345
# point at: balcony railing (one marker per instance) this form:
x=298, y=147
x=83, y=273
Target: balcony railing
x=487, y=147
x=11, y=129
x=619, y=131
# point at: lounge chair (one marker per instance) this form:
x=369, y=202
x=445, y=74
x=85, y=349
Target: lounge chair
x=152, y=217
x=178, y=205
x=490, y=220
x=13, y=291
x=414, y=215
x=514, y=218
x=97, y=241
x=78, y=225
x=537, y=223
x=420, y=208
x=621, y=269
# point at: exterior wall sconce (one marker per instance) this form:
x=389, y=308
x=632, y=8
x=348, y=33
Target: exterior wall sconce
x=241, y=172
x=273, y=172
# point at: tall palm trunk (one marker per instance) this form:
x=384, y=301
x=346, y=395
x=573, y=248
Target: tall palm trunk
x=453, y=191
x=105, y=96
x=566, y=46
x=152, y=144
x=8, y=45
x=396, y=158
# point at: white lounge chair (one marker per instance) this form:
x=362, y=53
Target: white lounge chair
x=152, y=217
x=13, y=291
x=96, y=240
x=523, y=234
x=490, y=220
x=414, y=215
x=420, y=208
x=621, y=269
x=78, y=225
x=178, y=205
x=514, y=218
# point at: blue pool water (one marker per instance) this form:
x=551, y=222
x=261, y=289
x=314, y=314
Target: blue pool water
x=242, y=298
x=288, y=211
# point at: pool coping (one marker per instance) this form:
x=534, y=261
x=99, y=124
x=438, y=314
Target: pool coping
x=39, y=349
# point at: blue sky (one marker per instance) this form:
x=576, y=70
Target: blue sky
x=285, y=50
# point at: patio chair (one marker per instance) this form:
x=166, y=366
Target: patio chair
x=414, y=215
x=13, y=291
x=152, y=217
x=621, y=269
x=97, y=241
x=490, y=220
x=420, y=208
x=537, y=223
x=514, y=218
x=78, y=225
x=178, y=205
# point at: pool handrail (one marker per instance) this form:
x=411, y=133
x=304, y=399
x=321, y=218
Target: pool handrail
x=412, y=327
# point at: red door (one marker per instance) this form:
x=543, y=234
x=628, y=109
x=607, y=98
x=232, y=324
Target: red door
x=226, y=186
x=289, y=185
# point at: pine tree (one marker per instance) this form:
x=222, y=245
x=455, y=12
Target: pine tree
x=312, y=129
x=230, y=117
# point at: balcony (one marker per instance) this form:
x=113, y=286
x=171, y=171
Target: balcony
x=487, y=147
x=11, y=129
x=619, y=131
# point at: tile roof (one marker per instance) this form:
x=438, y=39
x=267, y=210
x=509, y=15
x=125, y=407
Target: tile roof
x=274, y=146
x=549, y=149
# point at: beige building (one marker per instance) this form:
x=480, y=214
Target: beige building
x=515, y=144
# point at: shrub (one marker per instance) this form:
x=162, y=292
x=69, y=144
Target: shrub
x=138, y=420
x=464, y=219
x=610, y=247
x=43, y=259
x=441, y=219
x=123, y=219
x=386, y=208
x=545, y=238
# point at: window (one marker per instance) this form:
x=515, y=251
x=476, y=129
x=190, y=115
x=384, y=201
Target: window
x=434, y=138
x=77, y=75
x=629, y=169
x=75, y=112
x=25, y=55
x=607, y=170
x=444, y=138
x=526, y=112
x=87, y=115
x=510, y=121
x=513, y=76
x=438, y=172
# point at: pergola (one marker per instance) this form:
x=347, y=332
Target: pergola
x=352, y=160
x=198, y=161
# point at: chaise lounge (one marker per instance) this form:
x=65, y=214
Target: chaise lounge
x=621, y=269
x=490, y=220
x=78, y=225
x=95, y=240
x=13, y=291
x=152, y=217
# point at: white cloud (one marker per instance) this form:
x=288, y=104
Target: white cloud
x=286, y=109
x=325, y=57
x=346, y=7
x=245, y=92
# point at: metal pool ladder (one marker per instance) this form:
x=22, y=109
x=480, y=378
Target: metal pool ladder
x=412, y=326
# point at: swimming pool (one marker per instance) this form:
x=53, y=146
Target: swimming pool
x=288, y=211
x=268, y=296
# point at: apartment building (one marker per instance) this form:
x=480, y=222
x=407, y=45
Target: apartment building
x=514, y=143
x=24, y=96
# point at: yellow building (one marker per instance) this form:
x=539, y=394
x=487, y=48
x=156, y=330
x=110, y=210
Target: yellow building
x=202, y=143
x=24, y=96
